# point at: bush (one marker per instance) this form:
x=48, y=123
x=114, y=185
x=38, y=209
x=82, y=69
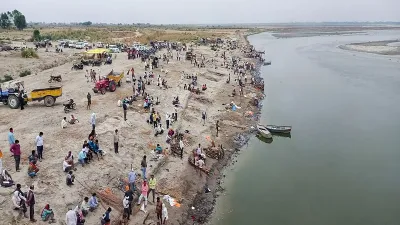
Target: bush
x=25, y=73
x=29, y=53
x=6, y=78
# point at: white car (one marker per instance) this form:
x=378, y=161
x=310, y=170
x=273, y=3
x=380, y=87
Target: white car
x=79, y=45
x=115, y=50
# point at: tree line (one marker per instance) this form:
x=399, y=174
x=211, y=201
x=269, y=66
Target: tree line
x=14, y=18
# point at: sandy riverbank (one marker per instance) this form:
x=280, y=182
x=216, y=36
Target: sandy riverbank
x=176, y=177
x=389, y=47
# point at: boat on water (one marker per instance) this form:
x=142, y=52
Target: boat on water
x=279, y=129
x=263, y=139
x=267, y=63
x=263, y=131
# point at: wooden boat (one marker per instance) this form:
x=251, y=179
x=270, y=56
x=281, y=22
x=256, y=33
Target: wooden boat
x=267, y=63
x=263, y=131
x=263, y=139
x=279, y=129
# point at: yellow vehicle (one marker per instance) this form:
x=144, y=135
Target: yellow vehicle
x=48, y=95
x=116, y=76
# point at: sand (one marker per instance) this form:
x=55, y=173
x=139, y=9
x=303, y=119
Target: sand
x=387, y=47
x=176, y=177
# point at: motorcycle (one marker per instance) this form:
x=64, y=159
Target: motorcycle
x=55, y=78
x=69, y=106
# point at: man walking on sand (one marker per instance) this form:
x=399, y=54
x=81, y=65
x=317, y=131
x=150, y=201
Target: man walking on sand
x=15, y=149
x=217, y=126
x=152, y=186
x=11, y=138
x=203, y=117
x=125, y=107
x=89, y=101
x=93, y=121
x=143, y=164
x=116, y=140
x=181, y=146
x=39, y=145
x=30, y=201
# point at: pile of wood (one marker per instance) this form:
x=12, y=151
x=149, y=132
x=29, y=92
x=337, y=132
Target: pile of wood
x=111, y=199
x=214, y=152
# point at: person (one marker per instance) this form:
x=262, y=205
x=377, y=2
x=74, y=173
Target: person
x=30, y=201
x=73, y=120
x=85, y=206
x=203, y=117
x=21, y=99
x=5, y=178
x=93, y=203
x=11, y=138
x=32, y=169
x=47, y=214
x=198, y=151
x=200, y=162
x=164, y=213
x=217, y=127
x=158, y=130
x=176, y=112
x=129, y=194
x=69, y=159
x=181, y=146
x=33, y=157
x=39, y=145
x=158, y=149
x=97, y=150
x=89, y=101
x=67, y=166
x=64, y=123
x=132, y=179
x=71, y=217
x=143, y=164
x=125, y=107
x=82, y=157
x=167, y=120
x=159, y=209
x=70, y=178
x=125, y=203
x=93, y=121
x=143, y=194
x=15, y=149
x=18, y=199
x=116, y=141
x=152, y=186
x=106, y=219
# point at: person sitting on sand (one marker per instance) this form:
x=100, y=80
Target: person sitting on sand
x=158, y=149
x=97, y=150
x=70, y=178
x=47, y=214
x=32, y=169
x=33, y=157
x=234, y=92
x=73, y=120
x=66, y=166
x=204, y=87
x=69, y=159
x=85, y=206
x=64, y=123
x=93, y=203
x=159, y=130
x=82, y=157
x=5, y=179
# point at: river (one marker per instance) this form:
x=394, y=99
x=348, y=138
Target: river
x=342, y=163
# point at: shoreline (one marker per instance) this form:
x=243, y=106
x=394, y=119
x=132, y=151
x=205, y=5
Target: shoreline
x=206, y=202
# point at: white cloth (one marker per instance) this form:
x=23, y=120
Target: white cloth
x=63, y=124
x=39, y=141
x=70, y=217
x=181, y=145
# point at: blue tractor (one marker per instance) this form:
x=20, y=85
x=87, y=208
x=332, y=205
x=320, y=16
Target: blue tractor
x=9, y=93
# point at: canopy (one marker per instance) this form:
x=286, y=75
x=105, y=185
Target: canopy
x=98, y=51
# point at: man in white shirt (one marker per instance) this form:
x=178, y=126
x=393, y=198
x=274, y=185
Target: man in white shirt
x=181, y=145
x=39, y=145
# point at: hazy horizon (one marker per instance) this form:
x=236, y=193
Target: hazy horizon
x=206, y=11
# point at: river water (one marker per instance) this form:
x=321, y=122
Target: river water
x=342, y=163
